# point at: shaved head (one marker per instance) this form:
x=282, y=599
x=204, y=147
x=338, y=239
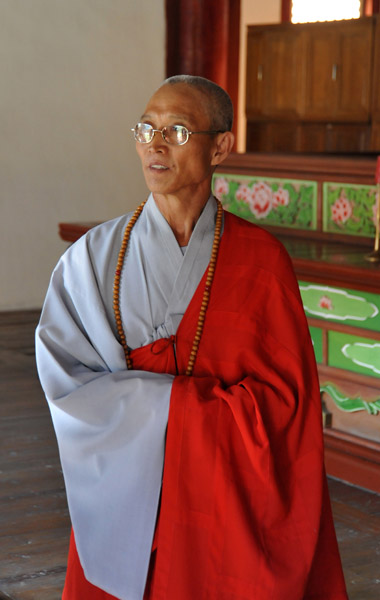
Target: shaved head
x=217, y=102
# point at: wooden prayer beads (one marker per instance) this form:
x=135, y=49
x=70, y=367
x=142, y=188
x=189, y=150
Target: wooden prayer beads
x=206, y=292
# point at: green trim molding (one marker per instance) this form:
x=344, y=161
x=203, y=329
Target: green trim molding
x=347, y=404
x=290, y=203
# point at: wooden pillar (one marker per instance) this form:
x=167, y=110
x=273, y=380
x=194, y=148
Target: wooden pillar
x=286, y=11
x=202, y=38
x=371, y=7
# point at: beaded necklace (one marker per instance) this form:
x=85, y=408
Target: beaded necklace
x=206, y=291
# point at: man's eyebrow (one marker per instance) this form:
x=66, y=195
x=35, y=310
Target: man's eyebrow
x=182, y=118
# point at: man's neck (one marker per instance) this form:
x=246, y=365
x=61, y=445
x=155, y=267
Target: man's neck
x=181, y=214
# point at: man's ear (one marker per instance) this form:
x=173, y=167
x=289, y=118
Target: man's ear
x=223, y=147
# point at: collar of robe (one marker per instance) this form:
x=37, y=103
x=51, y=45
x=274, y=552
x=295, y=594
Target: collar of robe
x=206, y=291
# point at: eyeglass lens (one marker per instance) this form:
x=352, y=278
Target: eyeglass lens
x=173, y=134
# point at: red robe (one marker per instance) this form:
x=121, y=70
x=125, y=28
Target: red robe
x=245, y=512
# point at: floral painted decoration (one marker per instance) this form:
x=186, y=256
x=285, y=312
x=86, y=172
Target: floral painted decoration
x=326, y=302
x=272, y=201
x=349, y=209
x=341, y=210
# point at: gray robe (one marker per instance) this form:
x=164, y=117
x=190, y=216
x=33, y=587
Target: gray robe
x=111, y=422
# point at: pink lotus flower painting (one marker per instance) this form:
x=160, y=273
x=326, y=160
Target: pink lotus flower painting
x=279, y=202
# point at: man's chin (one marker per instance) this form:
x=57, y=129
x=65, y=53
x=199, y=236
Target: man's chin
x=156, y=187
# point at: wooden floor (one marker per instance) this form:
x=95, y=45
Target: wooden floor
x=34, y=522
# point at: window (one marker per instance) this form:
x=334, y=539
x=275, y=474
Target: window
x=304, y=11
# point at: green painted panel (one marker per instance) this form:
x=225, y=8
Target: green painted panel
x=266, y=200
x=316, y=336
x=354, y=353
x=341, y=305
x=349, y=208
x=348, y=404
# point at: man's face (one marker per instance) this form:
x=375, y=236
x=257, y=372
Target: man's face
x=186, y=170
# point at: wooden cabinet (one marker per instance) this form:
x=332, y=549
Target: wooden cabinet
x=274, y=73
x=310, y=137
x=310, y=87
x=375, y=142
x=337, y=85
x=255, y=104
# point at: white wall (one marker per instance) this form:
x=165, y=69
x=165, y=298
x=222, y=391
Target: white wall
x=253, y=12
x=74, y=77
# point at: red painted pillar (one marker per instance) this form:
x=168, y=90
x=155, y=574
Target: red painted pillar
x=202, y=38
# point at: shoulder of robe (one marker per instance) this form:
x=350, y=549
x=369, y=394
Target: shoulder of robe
x=90, y=254
x=258, y=245
x=245, y=228
x=100, y=236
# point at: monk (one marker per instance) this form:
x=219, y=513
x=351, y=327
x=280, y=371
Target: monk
x=176, y=359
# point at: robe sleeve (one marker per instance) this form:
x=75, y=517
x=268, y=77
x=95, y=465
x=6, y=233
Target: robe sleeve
x=244, y=476
x=110, y=425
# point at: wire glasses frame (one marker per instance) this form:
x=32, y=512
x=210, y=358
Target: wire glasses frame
x=171, y=134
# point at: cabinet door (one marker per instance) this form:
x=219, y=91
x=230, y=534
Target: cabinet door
x=354, y=79
x=274, y=73
x=338, y=74
x=283, y=73
x=320, y=78
x=254, y=76
x=375, y=144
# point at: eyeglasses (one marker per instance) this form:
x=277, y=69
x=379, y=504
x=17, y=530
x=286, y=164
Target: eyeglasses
x=172, y=134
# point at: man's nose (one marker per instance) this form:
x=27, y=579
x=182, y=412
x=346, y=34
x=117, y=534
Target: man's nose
x=158, y=141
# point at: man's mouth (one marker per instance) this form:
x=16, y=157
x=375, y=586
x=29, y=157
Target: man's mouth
x=158, y=167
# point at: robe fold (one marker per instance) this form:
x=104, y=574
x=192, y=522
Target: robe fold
x=244, y=510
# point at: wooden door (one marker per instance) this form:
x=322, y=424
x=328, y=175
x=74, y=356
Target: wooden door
x=338, y=73
x=284, y=64
x=375, y=142
x=320, y=78
x=354, y=79
x=274, y=72
x=254, y=75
